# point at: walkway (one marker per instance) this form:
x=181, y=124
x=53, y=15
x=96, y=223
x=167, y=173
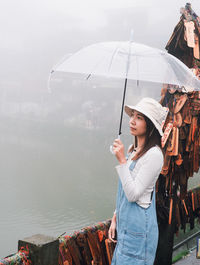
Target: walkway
x=189, y=259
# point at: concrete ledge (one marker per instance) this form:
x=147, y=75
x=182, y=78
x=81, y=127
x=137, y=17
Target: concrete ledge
x=44, y=250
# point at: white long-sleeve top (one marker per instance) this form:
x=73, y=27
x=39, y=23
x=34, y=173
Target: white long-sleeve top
x=139, y=183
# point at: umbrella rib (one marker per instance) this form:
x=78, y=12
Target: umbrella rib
x=137, y=75
x=101, y=61
x=95, y=67
x=113, y=55
x=173, y=70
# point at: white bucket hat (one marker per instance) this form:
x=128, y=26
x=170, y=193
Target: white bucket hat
x=152, y=110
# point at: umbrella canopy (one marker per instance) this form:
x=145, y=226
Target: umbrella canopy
x=130, y=60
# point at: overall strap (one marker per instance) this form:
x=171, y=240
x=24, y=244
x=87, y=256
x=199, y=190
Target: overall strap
x=132, y=165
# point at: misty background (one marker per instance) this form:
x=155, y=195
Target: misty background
x=57, y=174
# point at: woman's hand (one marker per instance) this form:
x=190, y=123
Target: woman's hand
x=118, y=149
x=112, y=229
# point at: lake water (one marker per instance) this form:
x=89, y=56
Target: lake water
x=57, y=174
x=46, y=186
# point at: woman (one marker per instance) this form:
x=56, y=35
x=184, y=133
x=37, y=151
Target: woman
x=135, y=217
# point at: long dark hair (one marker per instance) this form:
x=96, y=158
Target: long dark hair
x=152, y=138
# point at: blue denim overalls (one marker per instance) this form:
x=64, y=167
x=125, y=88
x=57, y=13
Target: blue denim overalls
x=137, y=231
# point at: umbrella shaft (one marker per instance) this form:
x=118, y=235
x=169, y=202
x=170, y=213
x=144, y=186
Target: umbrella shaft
x=122, y=110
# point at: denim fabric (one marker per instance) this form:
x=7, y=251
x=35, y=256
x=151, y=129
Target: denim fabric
x=137, y=231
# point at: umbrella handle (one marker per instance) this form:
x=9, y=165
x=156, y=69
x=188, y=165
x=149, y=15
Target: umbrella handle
x=111, y=146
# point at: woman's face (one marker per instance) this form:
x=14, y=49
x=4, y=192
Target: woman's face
x=137, y=124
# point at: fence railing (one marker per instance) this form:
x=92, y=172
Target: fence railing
x=186, y=241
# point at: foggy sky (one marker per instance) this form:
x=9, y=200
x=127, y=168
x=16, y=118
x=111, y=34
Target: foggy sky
x=35, y=35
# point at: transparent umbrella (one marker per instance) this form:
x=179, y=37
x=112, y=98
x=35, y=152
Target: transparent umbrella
x=129, y=60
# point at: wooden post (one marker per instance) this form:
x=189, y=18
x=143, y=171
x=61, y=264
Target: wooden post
x=44, y=250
